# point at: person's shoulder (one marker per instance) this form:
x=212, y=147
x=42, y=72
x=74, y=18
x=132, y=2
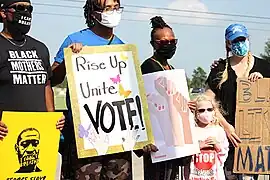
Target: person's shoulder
x=261, y=62
x=79, y=33
x=36, y=43
x=118, y=40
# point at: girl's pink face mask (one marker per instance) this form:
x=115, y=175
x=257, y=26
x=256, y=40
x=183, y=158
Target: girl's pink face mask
x=205, y=112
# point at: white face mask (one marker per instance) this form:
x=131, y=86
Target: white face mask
x=206, y=117
x=111, y=19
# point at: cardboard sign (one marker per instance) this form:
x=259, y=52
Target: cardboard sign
x=108, y=100
x=172, y=122
x=253, y=127
x=30, y=150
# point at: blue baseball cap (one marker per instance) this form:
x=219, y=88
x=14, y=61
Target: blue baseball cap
x=234, y=31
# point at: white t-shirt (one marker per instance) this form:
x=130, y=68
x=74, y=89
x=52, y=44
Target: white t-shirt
x=208, y=165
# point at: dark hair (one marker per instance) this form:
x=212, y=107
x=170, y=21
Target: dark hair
x=91, y=6
x=157, y=23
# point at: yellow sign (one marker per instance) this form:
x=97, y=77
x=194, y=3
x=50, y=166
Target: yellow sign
x=29, y=152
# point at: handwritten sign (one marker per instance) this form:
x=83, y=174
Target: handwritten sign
x=108, y=100
x=253, y=127
x=172, y=122
x=30, y=150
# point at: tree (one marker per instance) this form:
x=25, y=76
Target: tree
x=198, y=78
x=266, y=54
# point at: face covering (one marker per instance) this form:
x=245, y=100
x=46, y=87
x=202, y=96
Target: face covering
x=240, y=48
x=110, y=20
x=19, y=25
x=166, y=51
x=206, y=117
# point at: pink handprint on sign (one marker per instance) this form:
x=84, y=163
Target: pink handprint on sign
x=158, y=107
x=181, y=105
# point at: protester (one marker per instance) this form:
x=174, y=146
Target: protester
x=213, y=142
x=222, y=79
x=25, y=70
x=101, y=17
x=164, y=44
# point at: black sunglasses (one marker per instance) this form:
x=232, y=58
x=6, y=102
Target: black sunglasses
x=166, y=42
x=203, y=110
x=26, y=143
x=21, y=8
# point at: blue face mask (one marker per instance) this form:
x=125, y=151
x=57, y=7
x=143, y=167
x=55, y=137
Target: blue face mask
x=240, y=48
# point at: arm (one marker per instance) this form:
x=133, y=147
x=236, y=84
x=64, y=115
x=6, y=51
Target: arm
x=59, y=73
x=58, y=67
x=49, y=97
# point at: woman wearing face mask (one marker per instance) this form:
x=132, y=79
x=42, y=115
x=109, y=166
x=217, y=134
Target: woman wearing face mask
x=101, y=17
x=164, y=44
x=222, y=78
x=214, y=145
x=25, y=69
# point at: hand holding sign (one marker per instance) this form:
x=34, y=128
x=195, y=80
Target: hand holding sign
x=131, y=138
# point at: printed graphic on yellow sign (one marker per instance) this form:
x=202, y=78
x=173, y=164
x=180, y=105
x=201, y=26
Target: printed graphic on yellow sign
x=31, y=146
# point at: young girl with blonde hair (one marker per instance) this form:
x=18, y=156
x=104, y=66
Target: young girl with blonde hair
x=214, y=145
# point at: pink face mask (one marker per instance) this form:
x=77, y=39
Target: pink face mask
x=205, y=116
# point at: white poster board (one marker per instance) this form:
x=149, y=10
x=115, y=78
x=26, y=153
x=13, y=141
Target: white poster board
x=108, y=100
x=172, y=122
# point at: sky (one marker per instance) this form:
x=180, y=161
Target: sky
x=200, y=35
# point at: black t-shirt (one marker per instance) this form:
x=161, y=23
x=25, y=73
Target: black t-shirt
x=24, y=72
x=226, y=95
x=150, y=66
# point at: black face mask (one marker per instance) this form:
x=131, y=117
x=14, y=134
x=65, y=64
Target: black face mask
x=19, y=25
x=166, y=51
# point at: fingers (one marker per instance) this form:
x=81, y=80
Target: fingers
x=3, y=130
x=61, y=123
x=150, y=148
x=236, y=138
x=192, y=105
x=255, y=76
x=76, y=47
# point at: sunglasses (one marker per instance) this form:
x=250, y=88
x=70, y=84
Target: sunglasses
x=26, y=143
x=21, y=8
x=203, y=110
x=166, y=42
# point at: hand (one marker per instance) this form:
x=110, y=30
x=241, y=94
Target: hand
x=204, y=144
x=76, y=47
x=217, y=147
x=165, y=87
x=3, y=130
x=130, y=139
x=255, y=76
x=215, y=63
x=192, y=106
x=100, y=142
x=61, y=123
x=156, y=103
x=150, y=148
x=232, y=136
x=211, y=140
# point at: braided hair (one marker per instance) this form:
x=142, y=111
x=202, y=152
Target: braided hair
x=90, y=7
x=157, y=23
